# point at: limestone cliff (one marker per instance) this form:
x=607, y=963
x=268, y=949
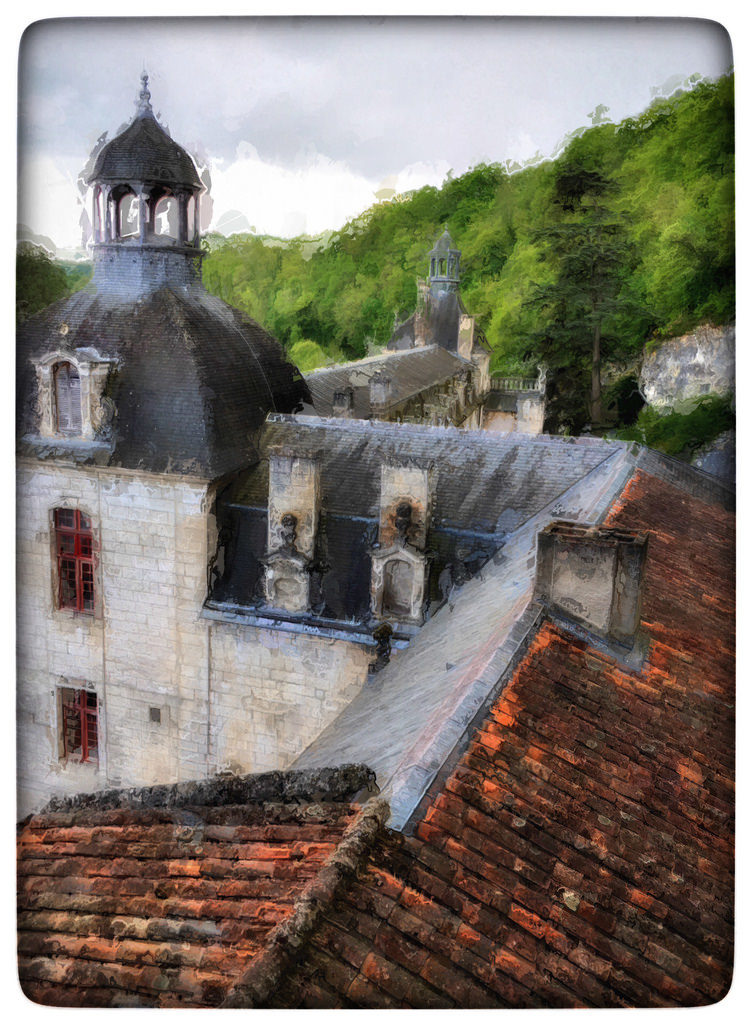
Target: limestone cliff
x=685, y=368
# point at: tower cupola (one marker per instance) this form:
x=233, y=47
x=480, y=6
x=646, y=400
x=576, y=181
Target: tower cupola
x=443, y=270
x=146, y=207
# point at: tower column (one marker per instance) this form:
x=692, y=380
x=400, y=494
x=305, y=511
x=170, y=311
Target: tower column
x=182, y=216
x=144, y=211
x=107, y=202
x=196, y=219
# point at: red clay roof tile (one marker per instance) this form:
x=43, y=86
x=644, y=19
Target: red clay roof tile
x=121, y=904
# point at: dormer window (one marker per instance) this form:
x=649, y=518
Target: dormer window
x=71, y=399
x=68, y=399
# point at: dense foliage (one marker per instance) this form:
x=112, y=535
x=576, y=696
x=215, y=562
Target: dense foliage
x=681, y=434
x=670, y=175
x=626, y=238
x=40, y=280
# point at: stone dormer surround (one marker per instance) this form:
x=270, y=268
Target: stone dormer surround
x=399, y=561
x=93, y=370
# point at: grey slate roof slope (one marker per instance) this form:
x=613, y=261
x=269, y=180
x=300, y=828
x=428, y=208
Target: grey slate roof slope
x=410, y=373
x=485, y=482
x=194, y=379
x=407, y=719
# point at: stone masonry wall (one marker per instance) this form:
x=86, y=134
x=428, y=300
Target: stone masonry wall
x=224, y=695
x=273, y=692
x=146, y=647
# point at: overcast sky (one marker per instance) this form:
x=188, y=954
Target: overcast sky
x=301, y=121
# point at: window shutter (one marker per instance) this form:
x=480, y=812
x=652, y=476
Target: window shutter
x=68, y=397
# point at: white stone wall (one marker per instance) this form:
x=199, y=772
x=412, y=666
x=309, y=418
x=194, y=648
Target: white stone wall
x=227, y=695
x=147, y=646
x=273, y=692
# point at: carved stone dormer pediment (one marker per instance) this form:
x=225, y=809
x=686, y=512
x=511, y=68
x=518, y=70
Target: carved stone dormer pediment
x=287, y=581
x=288, y=571
x=88, y=413
x=398, y=583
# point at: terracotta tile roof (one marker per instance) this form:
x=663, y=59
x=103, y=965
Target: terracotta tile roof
x=161, y=907
x=581, y=854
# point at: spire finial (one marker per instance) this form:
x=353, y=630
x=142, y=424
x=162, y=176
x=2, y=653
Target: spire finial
x=144, y=99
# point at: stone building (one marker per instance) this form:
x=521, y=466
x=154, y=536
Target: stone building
x=554, y=826
x=427, y=384
x=515, y=404
x=340, y=712
x=138, y=398
x=205, y=583
x=435, y=369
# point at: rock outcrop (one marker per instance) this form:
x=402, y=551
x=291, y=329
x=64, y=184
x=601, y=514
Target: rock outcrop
x=685, y=368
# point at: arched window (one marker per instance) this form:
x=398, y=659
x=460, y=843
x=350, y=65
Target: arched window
x=68, y=399
x=128, y=216
x=166, y=217
x=397, y=588
x=74, y=548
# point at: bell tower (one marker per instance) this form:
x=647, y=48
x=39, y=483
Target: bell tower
x=146, y=208
x=443, y=270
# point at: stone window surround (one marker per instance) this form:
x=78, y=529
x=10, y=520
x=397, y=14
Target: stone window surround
x=74, y=764
x=93, y=371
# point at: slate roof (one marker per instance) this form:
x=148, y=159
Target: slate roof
x=144, y=152
x=485, y=486
x=410, y=372
x=193, y=383
x=578, y=851
x=485, y=482
x=444, y=244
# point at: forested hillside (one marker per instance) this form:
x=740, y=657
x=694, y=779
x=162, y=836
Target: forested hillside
x=626, y=238
x=654, y=192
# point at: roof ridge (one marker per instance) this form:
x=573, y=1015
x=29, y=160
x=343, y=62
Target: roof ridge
x=292, y=785
x=285, y=941
x=350, y=364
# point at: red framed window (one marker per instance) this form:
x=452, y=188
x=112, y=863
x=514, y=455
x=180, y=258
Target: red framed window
x=80, y=724
x=74, y=545
x=68, y=398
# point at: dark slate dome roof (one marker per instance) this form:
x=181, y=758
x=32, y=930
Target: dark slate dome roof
x=193, y=382
x=444, y=244
x=145, y=152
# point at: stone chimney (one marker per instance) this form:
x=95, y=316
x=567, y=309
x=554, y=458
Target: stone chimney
x=343, y=403
x=380, y=390
x=592, y=575
x=293, y=509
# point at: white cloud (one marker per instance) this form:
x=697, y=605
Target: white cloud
x=417, y=175
x=47, y=201
x=278, y=200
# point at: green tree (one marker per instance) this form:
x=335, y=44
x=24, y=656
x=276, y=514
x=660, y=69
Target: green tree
x=39, y=282
x=589, y=256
